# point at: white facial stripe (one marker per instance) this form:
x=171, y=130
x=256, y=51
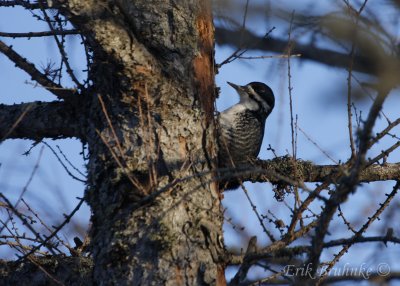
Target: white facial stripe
x=259, y=99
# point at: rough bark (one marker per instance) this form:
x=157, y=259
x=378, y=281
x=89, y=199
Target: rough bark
x=38, y=120
x=149, y=126
x=52, y=270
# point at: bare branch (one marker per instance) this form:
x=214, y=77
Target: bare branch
x=61, y=48
x=359, y=233
x=37, y=120
x=275, y=247
x=348, y=183
x=245, y=266
x=29, y=68
x=361, y=239
x=25, y=4
x=309, y=52
x=384, y=132
x=56, y=230
x=63, y=165
x=281, y=169
x=39, y=34
x=28, y=225
x=237, y=259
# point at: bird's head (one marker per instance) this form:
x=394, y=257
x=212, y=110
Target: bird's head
x=256, y=96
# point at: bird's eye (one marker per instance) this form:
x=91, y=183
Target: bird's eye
x=258, y=89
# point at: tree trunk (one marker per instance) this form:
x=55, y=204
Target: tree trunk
x=156, y=210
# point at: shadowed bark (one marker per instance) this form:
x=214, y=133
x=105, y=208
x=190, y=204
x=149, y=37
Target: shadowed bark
x=146, y=114
x=152, y=74
x=38, y=120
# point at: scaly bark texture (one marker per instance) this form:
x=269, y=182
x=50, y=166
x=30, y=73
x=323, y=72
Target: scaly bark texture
x=52, y=270
x=155, y=220
x=37, y=120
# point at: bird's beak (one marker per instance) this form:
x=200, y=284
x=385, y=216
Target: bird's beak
x=235, y=86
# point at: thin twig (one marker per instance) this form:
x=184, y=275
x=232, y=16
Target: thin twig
x=27, y=224
x=63, y=165
x=56, y=230
x=349, y=113
x=35, y=168
x=241, y=50
x=384, y=154
x=290, y=87
x=254, y=209
x=348, y=184
x=385, y=131
x=35, y=74
x=39, y=34
x=69, y=162
x=318, y=147
x=269, y=57
x=358, y=234
x=61, y=48
x=235, y=54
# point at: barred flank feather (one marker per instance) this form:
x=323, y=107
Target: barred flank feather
x=240, y=139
